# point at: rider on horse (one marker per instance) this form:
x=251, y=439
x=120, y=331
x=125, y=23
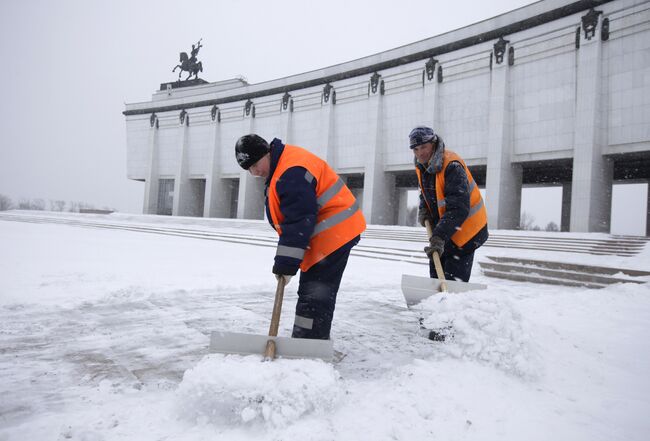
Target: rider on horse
x=190, y=64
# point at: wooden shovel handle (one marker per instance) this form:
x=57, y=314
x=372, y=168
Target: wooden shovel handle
x=436, y=259
x=269, y=352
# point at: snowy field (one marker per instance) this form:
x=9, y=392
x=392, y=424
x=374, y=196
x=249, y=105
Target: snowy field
x=104, y=335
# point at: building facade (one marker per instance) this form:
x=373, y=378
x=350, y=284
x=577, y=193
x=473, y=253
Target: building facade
x=554, y=93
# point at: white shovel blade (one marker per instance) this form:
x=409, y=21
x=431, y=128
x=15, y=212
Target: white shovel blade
x=286, y=347
x=416, y=289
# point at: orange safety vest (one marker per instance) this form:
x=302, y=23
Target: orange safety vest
x=339, y=219
x=477, y=217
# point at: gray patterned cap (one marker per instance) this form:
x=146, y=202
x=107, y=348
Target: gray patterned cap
x=421, y=135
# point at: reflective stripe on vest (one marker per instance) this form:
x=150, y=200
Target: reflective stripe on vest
x=339, y=219
x=336, y=219
x=331, y=192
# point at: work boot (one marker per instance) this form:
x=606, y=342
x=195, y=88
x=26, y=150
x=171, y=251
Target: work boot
x=441, y=334
x=436, y=336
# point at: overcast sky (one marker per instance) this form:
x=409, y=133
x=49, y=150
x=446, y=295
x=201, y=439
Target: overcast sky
x=69, y=67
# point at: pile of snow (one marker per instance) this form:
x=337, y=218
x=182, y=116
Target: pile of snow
x=232, y=389
x=485, y=327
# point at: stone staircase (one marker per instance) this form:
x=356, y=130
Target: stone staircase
x=611, y=246
x=559, y=273
x=624, y=246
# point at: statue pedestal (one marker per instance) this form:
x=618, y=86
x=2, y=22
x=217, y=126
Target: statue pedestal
x=178, y=84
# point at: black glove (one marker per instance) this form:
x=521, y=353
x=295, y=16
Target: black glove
x=436, y=244
x=284, y=270
x=424, y=215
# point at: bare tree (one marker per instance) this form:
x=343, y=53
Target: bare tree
x=31, y=204
x=526, y=221
x=38, y=204
x=57, y=205
x=552, y=226
x=5, y=203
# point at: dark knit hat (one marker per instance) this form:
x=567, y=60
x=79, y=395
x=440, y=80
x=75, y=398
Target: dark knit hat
x=421, y=135
x=250, y=149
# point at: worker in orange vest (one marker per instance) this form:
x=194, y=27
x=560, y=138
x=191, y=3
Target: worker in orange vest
x=451, y=201
x=318, y=222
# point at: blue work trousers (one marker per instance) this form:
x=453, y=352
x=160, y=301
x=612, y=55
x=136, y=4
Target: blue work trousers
x=456, y=266
x=317, y=294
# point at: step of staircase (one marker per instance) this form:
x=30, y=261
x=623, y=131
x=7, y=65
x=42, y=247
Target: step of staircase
x=593, y=269
x=520, y=277
x=559, y=273
x=622, y=246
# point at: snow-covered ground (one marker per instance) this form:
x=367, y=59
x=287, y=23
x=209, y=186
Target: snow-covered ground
x=104, y=336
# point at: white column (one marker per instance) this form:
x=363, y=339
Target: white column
x=182, y=187
x=565, y=222
x=251, y=189
x=378, y=186
x=251, y=196
x=647, y=219
x=151, y=180
x=503, y=179
x=286, y=120
x=431, y=110
x=217, y=194
x=592, y=173
x=326, y=131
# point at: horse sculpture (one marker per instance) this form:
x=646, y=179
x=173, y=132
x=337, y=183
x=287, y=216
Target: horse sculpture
x=190, y=64
x=193, y=68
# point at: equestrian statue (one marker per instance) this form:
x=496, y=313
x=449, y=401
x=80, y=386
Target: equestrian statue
x=190, y=64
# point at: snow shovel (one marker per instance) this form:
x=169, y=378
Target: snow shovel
x=416, y=289
x=271, y=345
